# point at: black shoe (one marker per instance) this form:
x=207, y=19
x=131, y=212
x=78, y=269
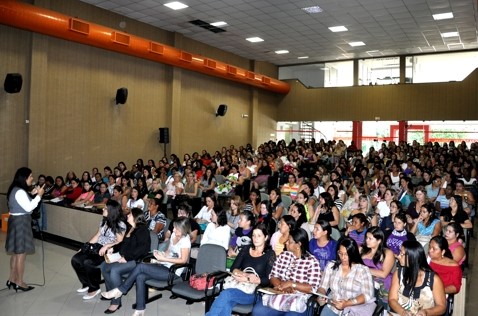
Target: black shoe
x=24, y=289
x=104, y=298
x=109, y=311
x=10, y=284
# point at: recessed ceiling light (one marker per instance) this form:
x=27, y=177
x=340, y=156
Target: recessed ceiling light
x=303, y=57
x=282, y=51
x=353, y=44
x=313, y=9
x=219, y=24
x=254, y=39
x=443, y=16
x=340, y=28
x=176, y=5
x=450, y=34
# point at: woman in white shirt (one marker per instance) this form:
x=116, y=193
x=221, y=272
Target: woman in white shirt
x=135, y=200
x=204, y=215
x=217, y=231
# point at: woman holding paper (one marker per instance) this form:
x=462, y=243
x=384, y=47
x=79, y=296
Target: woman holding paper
x=295, y=275
x=136, y=244
x=350, y=283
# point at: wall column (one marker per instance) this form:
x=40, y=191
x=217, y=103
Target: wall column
x=402, y=131
x=357, y=133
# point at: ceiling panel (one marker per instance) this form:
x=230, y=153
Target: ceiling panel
x=386, y=26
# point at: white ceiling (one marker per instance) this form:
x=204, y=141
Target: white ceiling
x=387, y=27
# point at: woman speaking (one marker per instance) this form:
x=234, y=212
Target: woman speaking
x=19, y=235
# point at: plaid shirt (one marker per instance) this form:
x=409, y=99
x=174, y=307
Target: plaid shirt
x=303, y=270
x=358, y=281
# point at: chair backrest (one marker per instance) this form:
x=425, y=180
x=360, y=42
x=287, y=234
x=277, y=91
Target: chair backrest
x=211, y=258
x=286, y=201
x=335, y=234
x=264, y=196
x=154, y=240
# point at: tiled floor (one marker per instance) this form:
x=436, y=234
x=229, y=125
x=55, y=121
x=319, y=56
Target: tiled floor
x=58, y=296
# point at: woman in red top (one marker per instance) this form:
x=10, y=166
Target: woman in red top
x=443, y=264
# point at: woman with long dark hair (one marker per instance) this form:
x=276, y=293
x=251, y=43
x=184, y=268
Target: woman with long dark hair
x=327, y=210
x=322, y=246
x=85, y=264
x=19, y=240
x=441, y=261
x=136, y=244
x=415, y=289
x=276, y=207
x=379, y=259
x=350, y=283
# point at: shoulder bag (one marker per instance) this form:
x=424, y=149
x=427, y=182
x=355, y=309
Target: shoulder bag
x=247, y=287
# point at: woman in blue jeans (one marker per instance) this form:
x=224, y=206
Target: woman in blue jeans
x=177, y=253
x=259, y=256
x=136, y=244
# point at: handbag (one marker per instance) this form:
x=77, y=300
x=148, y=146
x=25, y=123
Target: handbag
x=91, y=249
x=295, y=302
x=247, y=287
x=198, y=282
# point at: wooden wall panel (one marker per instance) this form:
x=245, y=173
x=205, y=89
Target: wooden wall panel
x=425, y=101
x=80, y=125
x=199, y=127
x=14, y=47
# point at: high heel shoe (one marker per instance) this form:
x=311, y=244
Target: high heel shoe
x=24, y=289
x=110, y=311
x=10, y=284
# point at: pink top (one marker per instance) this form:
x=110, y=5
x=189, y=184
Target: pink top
x=452, y=248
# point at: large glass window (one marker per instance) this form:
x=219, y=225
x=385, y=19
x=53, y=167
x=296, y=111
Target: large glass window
x=335, y=74
x=441, y=67
x=379, y=71
x=442, y=131
x=374, y=133
x=318, y=130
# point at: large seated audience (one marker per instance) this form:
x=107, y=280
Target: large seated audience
x=385, y=227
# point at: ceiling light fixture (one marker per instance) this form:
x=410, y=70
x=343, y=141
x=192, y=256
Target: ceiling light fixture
x=176, y=5
x=354, y=44
x=450, y=34
x=282, y=51
x=219, y=24
x=302, y=57
x=312, y=10
x=339, y=28
x=443, y=16
x=254, y=39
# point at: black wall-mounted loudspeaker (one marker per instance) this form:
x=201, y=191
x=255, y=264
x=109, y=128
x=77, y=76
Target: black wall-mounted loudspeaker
x=221, y=110
x=13, y=83
x=164, y=135
x=121, y=95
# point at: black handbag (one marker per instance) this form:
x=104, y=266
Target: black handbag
x=91, y=249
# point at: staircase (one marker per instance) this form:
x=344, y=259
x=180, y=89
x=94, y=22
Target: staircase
x=306, y=130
